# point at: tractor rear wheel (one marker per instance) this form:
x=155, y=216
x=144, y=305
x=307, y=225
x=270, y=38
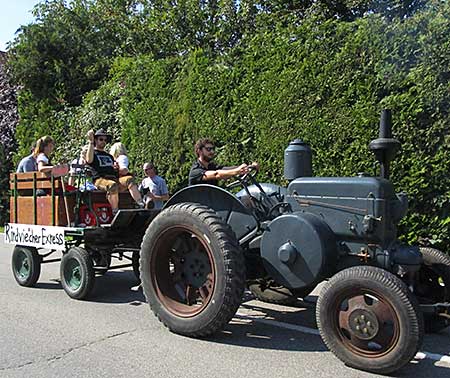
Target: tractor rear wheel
x=369, y=319
x=192, y=270
x=433, y=285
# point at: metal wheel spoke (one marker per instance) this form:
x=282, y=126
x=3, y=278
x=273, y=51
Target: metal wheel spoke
x=191, y=295
x=344, y=319
x=206, y=288
x=383, y=338
x=356, y=302
x=382, y=312
x=358, y=343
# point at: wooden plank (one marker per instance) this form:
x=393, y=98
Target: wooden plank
x=43, y=210
x=26, y=181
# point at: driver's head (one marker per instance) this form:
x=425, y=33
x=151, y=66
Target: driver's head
x=205, y=149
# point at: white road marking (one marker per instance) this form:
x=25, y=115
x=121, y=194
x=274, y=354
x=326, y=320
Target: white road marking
x=419, y=356
x=293, y=327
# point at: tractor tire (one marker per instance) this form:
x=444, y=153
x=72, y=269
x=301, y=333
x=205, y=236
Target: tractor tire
x=271, y=292
x=434, y=286
x=77, y=273
x=369, y=319
x=192, y=270
x=135, y=265
x=26, y=265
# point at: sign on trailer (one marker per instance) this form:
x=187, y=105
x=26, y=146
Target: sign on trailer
x=39, y=236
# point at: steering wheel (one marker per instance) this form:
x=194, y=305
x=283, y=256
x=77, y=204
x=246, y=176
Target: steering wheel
x=244, y=180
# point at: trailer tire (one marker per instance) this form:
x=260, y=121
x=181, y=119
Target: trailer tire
x=26, y=265
x=77, y=273
x=434, y=285
x=192, y=270
x=369, y=319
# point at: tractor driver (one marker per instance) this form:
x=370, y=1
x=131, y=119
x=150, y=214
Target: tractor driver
x=205, y=171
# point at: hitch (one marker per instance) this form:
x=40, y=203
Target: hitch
x=440, y=309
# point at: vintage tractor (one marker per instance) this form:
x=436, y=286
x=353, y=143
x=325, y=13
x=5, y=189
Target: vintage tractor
x=199, y=253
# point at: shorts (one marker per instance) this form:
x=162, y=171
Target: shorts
x=114, y=185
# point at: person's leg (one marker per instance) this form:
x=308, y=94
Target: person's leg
x=113, y=199
x=111, y=188
x=135, y=193
x=128, y=182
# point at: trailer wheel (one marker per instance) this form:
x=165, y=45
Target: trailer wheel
x=26, y=265
x=77, y=273
x=192, y=270
x=369, y=319
x=434, y=285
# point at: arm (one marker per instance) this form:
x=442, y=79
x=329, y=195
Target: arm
x=225, y=173
x=44, y=168
x=90, y=151
x=162, y=188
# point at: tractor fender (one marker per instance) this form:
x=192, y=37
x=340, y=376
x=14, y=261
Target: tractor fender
x=225, y=204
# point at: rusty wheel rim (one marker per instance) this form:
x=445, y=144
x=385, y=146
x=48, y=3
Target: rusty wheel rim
x=183, y=271
x=367, y=323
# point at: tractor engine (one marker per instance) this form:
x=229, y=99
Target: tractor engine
x=335, y=222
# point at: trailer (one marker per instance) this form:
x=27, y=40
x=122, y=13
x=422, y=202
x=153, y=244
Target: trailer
x=50, y=222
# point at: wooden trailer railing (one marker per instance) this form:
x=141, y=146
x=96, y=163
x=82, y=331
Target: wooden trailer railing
x=37, y=198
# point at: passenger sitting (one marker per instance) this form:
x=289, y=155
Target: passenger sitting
x=119, y=153
x=105, y=171
x=153, y=187
x=28, y=163
x=44, y=147
x=76, y=168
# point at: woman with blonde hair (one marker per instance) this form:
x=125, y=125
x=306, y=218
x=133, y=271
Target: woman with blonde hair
x=120, y=155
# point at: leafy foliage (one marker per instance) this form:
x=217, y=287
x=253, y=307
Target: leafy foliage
x=253, y=75
x=8, y=122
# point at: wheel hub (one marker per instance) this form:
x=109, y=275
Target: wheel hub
x=364, y=324
x=196, y=267
x=73, y=274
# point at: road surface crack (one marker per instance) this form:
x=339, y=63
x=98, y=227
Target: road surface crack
x=66, y=352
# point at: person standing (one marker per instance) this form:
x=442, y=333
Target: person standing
x=153, y=187
x=105, y=170
x=205, y=171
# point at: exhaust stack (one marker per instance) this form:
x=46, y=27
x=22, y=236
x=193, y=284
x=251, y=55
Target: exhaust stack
x=385, y=147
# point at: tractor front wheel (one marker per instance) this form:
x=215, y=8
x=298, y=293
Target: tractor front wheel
x=369, y=319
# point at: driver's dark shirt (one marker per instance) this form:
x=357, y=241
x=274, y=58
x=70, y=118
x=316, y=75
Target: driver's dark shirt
x=198, y=170
x=103, y=166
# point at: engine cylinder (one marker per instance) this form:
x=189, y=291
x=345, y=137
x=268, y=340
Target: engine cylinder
x=297, y=160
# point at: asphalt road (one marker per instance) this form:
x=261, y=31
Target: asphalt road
x=44, y=333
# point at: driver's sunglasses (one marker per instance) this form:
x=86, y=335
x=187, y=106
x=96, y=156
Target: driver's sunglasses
x=102, y=139
x=209, y=149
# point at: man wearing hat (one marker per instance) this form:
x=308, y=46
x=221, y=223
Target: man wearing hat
x=105, y=172
x=153, y=187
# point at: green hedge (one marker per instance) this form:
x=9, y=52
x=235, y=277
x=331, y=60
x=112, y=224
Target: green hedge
x=322, y=81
